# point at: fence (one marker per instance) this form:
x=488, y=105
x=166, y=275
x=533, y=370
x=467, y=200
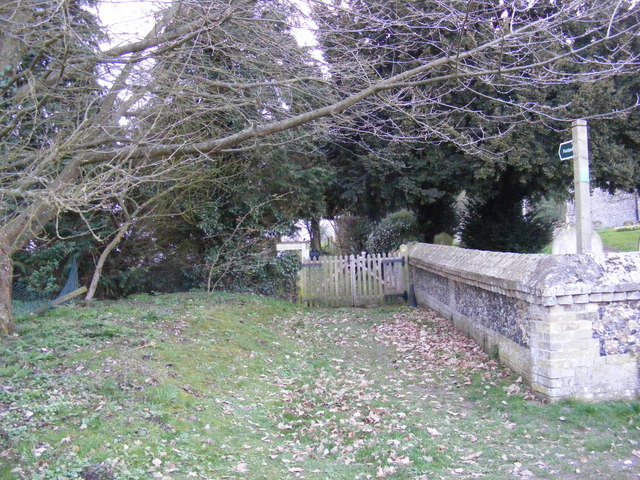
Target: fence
x=349, y=280
x=26, y=300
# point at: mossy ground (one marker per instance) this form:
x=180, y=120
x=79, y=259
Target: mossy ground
x=227, y=386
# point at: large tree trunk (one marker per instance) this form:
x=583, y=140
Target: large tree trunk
x=315, y=234
x=17, y=232
x=6, y=283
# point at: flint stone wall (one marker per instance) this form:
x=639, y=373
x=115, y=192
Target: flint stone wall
x=569, y=324
x=609, y=210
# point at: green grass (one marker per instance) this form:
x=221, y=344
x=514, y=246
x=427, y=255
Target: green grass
x=240, y=387
x=621, y=240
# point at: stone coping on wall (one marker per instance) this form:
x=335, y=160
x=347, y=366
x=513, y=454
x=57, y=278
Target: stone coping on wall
x=536, y=278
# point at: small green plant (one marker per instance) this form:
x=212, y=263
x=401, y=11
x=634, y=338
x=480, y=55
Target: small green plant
x=494, y=352
x=150, y=317
x=166, y=395
x=104, y=329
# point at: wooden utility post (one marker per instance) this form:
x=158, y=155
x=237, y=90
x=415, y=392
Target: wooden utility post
x=581, y=185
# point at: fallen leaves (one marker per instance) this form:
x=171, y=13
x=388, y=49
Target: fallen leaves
x=520, y=471
x=352, y=413
x=375, y=394
x=402, y=460
x=189, y=389
x=385, y=471
x=433, y=347
x=470, y=458
x=512, y=389
x=361, y=408
x=241, y=467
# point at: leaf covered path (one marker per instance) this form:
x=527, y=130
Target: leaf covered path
x=181, y=387
x=400, y=394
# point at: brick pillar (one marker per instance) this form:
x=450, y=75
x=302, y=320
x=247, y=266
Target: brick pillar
x=567, y=360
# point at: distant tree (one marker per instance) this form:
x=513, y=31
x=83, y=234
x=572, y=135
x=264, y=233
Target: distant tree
x=492, y=127
x=351, y=234
x=614, y=144
x=424, y=180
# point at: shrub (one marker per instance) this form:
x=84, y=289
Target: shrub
x=392, y=231
x=264, y=275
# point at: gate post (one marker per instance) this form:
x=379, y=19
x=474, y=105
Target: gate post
x=403, y=252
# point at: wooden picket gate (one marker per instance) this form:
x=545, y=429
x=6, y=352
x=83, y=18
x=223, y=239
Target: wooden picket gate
x=349, y=280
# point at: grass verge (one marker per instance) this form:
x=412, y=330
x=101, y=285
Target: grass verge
x=240, y=387
x=620, y=239
x=623, y=239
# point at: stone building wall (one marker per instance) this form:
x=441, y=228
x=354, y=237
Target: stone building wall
x=608, y=210
x=569, y=324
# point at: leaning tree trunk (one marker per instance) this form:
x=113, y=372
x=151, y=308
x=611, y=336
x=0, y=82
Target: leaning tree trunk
x=103, y=258
x=16, y=233
x=6, y=283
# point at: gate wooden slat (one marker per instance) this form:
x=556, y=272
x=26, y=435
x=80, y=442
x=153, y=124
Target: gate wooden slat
x=388, y=277
x=340, y=280
x=340, y=284
x=373, y=279
x=347, y=280
x=354, y=266
x=336, y=289
x=372, y=273
x=326, y=276
x=361, y=280
x=370, y=267
x=379, y=275
x=332, y=285
x=364, y=273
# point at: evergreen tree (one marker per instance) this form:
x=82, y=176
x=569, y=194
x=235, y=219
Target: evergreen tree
x=497, y=221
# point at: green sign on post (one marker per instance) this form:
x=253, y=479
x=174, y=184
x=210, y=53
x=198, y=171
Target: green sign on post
x=565, y=152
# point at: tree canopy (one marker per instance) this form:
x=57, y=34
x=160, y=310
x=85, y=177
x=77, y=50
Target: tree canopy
x=81, y=127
